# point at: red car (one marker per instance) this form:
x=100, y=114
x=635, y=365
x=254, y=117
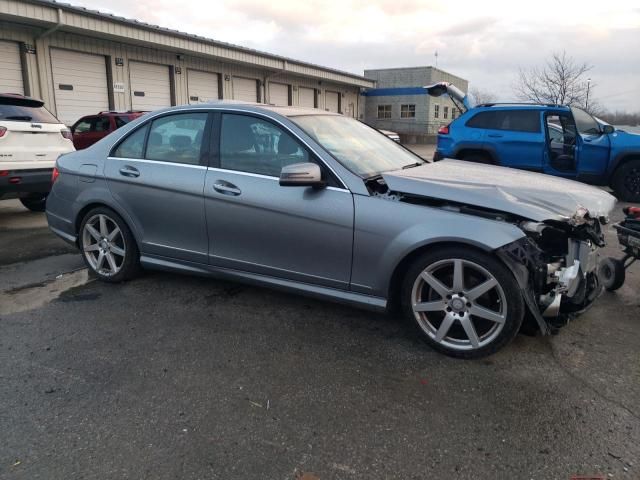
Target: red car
x=88, y=130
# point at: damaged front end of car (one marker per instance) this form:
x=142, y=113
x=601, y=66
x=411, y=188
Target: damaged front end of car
x=556, y=266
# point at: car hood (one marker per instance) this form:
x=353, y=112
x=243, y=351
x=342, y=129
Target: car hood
x=529, y=195
x=622, y=138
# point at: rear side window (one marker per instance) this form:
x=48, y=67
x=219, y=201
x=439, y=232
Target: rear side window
x=21, y=113
x=514, y=120
x=177, y=138
x=122, y=121
x=133, y=145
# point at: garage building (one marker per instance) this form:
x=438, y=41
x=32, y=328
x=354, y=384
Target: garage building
x=82, y=61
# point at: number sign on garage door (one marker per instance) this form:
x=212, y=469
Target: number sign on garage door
x=80, y=84
x=245, y=89
x=202, y=86
x=10, y=68
x=278, y=94
x=332, y=101
x=150, y=86
x=307, y=97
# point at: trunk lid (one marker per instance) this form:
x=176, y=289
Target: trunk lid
x=461, y=99
x=534, y=196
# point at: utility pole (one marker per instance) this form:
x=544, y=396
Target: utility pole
x=436, y=55
x=586, y=103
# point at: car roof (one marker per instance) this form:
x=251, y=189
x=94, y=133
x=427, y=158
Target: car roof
x=519, y=106
x=289, y=111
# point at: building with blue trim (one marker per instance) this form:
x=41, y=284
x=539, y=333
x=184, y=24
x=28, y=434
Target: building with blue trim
x=399, y=103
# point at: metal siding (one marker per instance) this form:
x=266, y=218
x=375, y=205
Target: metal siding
x=202, y=86
x=279, y=94
x=153, y=81
x=245, y=89
x=11, y=80
x=87, y=74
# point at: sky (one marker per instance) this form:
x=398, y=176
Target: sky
x=484, y=41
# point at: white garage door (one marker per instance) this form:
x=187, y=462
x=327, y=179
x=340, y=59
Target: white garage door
x=278, y=94
x=332, y=101
x=150, y=86
x=80, y=84
x=202, y=86
x=10, y=68
x=245, y=89
x=307, y=97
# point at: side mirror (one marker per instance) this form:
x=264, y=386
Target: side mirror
x=607, y=129
x=301, y=175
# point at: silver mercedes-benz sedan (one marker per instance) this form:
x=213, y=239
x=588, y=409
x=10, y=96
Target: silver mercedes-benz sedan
x=321, y=204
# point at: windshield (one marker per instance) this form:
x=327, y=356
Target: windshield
x=19, y=113
x=362, y=149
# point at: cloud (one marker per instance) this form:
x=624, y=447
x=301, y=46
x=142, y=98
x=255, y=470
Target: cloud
x=485, y=42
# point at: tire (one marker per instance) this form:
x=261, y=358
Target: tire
x=477, y=158
x=611, y=273
x=449, y=320
x=35, y=203
x=108, y=247
x=626, y=181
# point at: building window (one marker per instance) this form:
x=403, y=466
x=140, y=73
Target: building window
x=445, y=113
x=436, y=111
x=384, y=111
x=453, y=113
x=407, y=111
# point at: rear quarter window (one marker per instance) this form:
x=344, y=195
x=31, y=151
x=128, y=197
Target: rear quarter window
x=512, y=120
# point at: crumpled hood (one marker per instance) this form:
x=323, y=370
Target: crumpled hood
x=530, y=195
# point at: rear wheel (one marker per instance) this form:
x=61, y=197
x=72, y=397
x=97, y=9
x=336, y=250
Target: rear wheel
x=465, y=304
x=626, y=181
x=36, y=202
x=477, y=157
x=109, y=249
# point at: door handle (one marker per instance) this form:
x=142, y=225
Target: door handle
x=226, y=188
x=128, y=171
x=494, y=135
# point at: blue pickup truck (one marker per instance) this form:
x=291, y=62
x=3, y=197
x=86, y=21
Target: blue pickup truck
x=554, y=139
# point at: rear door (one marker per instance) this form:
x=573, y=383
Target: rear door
x=157, y=175
x=256, y=225
x=89, y=130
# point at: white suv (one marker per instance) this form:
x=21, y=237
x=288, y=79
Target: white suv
x=31, y=140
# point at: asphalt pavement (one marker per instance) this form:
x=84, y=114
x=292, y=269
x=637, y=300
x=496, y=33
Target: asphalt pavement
x=172, y=376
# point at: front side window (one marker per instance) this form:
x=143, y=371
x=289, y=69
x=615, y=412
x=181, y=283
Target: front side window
x=250, y=144
x=436, y=111
x=358, y=147
x=384, y=111
x=177, y=138
x=83, y=126
x=585, y=123
x=445, y=112
x=407, y=111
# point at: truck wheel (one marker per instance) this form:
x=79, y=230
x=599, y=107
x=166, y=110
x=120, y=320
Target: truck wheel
x=35, y=203
x=611, y=273
x=463, y=303
x=626, y=181
x=477, y=158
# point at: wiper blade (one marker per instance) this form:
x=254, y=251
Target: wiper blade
x=26, y=118
x=411, y=165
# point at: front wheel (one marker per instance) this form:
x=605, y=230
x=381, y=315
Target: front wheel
x=108, y=247
x=36, y=202
x=626, y=181
x=464, y=303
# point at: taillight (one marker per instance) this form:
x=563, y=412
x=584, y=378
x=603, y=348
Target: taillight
x=66, y=134
x=54, y=175
x=444, y=130
x=4, y=173
x=3, y=130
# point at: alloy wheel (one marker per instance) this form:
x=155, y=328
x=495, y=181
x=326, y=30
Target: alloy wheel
x=103, y=245
x=459, y=304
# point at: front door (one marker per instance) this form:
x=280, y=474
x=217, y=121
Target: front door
x=593, y=146
x=156, y=174
x=258, y=226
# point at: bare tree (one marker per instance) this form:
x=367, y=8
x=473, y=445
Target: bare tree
x=560, y=81
x=482, y=96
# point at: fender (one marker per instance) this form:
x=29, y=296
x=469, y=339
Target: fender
x=619, y=159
